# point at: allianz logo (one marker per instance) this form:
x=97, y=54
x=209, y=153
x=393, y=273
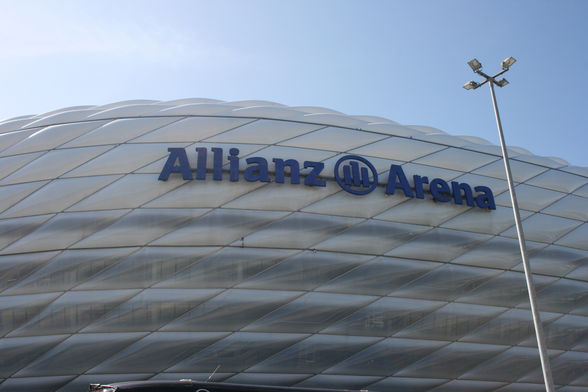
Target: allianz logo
x=354, y=174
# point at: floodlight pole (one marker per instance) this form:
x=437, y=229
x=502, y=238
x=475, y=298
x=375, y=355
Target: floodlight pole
x=545, y=366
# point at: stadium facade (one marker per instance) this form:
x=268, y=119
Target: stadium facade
x=293, y=246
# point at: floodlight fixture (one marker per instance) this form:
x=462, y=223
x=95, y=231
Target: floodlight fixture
x=502, y=82
x=475, y=65
x=508, y=62
x=470, y=85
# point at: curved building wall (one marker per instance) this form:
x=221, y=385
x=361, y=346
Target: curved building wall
x=109, y=274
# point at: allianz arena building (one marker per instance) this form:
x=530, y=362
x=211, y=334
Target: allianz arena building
x=252, y=242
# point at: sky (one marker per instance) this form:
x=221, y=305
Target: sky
x=404, y=60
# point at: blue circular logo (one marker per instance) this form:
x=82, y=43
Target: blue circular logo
x=356, y=175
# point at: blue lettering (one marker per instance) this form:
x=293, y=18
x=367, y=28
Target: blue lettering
x=258, y=171
x=440, y=190
x=456, y=188
x=486, y=198
x=176, y=155
x=397, y=179
x=312, y=177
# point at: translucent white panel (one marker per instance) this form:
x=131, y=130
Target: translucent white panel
x=337, y=381
x=314, y=354
x=15, y=123
x=406, y=384
x=309, y=313
x=146, y=267
x=421, y=212
x=582, y=191
x=299, y=230
x=10, y=164
x=123, y=159
x=164, y=349
x=439, y=245
x=191, y=101
x=315, y=109
x=391, y=129
x=384, y=317
x=18, y=352
x=566, y=368
x=521, y=171
x=544, y=228
x=14, y=268
x=141, y=227
x=58, y=195
x=53, y=164
x=9, y=139
x=264, y=131
x=221, y=227
x=197, y=194
x=191, y=129
x=79, y=353
x=26, y=384
x=68, y=269
x=469, y=386
x=263, y=111
x=333, y=119
x=427, y=129
x=120, y=131
x=12, y=194
x=507, y=289
x=508, y=366
x=232, y=310
x=567, y=332
x=530, y=197
x=335, y=139
x=277, y=379
x=558, y=180
x=490, y=149
x=304, y=271
x=255, y=102
x=300, y=154
x=285, y=197
x=562, y=296
x=346, y=204
x=571, y=206
x=65, y=116
x=238, y=352
x=131, y=191
x=580, y=170
x=150, y=310
x=486, y=221
x=497, y=186
x=64, y=230
x=73, y=311
x=197, y=109
x=543, y=161
x=372, y=237
x=13, y=229
x=576, y=238
x=446, y=283
x=450, y=322
x=411, y=169
x=226, y=268
x=130, y=109
x=498, y=252
x=50, y=137
x=457, y=159
x=386, y=357
x=401, y=149
x=379, y=276
x=556, y=260
x=16, y=310
x=452, y=360
x=580, y=272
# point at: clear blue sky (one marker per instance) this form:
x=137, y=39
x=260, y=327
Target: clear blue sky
x=400, y=59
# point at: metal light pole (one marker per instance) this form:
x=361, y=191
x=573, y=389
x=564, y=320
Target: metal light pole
x=491, y=80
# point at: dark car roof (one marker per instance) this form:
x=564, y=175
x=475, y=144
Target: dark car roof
x=200, y=386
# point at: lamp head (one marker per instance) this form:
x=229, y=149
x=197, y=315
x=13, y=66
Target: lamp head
x=508, y=62
x=502, y=82
x=475, y=65
x=470, y=85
